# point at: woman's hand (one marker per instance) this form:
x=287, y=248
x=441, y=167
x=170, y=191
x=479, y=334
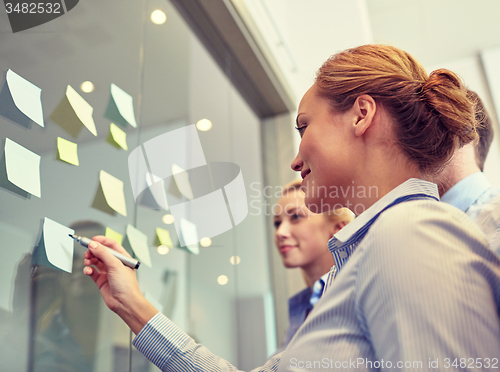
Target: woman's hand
x=117, y=283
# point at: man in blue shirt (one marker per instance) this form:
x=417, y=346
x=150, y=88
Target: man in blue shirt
x=464, y=185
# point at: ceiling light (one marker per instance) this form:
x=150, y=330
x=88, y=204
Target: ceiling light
x=168, y=219
x=163, y=249
x=158, y=17
x=206, y=242
x=222, y=280
x=204, y=125
x=87, y=87
x=235, y=260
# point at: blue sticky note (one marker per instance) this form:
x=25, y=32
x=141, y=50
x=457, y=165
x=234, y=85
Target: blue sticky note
x=26, y=97
x=23, y=167
x=56, y=247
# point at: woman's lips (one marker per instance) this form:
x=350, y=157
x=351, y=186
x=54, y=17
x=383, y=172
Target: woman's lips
x=286, y=248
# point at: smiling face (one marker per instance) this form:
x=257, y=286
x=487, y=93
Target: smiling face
x=301, y=236
x=327, y=156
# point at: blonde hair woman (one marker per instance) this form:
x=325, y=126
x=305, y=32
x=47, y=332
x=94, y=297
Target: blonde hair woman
x=301, y=238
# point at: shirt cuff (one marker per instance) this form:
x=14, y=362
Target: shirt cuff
x=160, y=339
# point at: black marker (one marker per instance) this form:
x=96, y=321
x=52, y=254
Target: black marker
x=127, y=261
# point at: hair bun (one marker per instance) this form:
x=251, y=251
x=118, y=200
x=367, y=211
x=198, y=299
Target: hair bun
x=446, y=97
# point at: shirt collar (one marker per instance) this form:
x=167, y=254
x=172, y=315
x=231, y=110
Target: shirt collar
x=413, y=186
x=324, y=277
x=465, y=192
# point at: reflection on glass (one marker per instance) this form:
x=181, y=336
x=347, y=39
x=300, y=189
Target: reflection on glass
x=65, y=314
x=235, y=260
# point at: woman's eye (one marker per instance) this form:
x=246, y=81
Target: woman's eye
x=296, y=217
x=301, y=129
x=277, y=224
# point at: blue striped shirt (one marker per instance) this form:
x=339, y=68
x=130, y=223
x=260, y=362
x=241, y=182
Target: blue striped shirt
x=475, y=196
x=415, y=285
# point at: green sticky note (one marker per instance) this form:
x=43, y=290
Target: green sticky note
x=120, y=107
x=26, y=97
x=55, y=248
x=117, y=137
x=138, y=242
x=73, y=113
x=23, y=167
x=163, y=238
x=190, y=234
x=67, y=151
x=112, y=234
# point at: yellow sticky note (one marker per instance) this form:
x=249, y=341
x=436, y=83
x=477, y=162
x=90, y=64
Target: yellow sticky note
x=112, y=234
x=67, y=151
x=82, y=109
x=73, y=112
x=163, y=237
x=112, y=189
x=117, y=137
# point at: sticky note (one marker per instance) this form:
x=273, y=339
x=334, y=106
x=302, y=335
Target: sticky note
x=112, y=234
x=73, y=113
x=181, y=178
x=120, y=107
x=67, y=151
x=55, y=248
x=190, y=235
x=23, y=167
x=163, y=238
x=117, y=137
x=112, y=188
x=26, y=98
x=138, y=242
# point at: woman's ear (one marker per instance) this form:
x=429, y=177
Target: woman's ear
x=364, y=108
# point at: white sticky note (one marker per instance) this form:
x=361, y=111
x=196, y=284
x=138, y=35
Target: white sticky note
x=182, y=181
x=23, y=167
x=82, y=109
x=26, y=96
x=139, y=244
x=190, y=235
x=157, y=187
x=124, y=103
x=57, y=246
x=112, y=189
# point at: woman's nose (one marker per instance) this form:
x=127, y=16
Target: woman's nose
x=283, y=230
x=297, y=163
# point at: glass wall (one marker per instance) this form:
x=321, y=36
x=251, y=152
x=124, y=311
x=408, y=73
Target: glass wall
x=52, y=317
